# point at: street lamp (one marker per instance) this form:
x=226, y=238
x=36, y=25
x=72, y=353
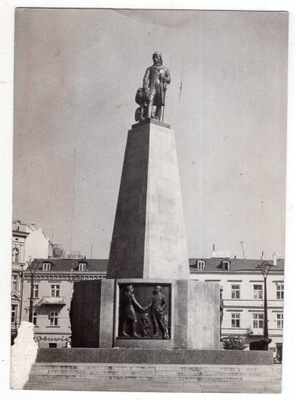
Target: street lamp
x=32, y=266
x=265, y=268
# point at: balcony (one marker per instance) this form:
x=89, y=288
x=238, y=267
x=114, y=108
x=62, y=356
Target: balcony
x=51, y=301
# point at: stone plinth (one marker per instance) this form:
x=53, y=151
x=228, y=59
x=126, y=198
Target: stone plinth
x=149, y=237
x=191, y=314
x=156, y=356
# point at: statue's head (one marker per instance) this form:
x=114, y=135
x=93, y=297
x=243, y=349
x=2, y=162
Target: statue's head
x=157, y=289
x=129, y=288
x=157, y=57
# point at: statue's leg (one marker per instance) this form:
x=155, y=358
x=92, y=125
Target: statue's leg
x=158, y=113
x=134, y=334
x=150, y=108
x=155, y=325
x=124, y=333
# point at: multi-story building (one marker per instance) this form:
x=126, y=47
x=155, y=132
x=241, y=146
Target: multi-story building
x=243, y=298
x=37, y=245
x=50, y=281
x=240, y=279
x=19, y=236
x=28, y=242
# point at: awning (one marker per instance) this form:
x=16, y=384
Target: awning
x=51, y=301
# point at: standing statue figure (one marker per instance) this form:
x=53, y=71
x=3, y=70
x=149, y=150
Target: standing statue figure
x=155, y=82
x=129, y=315
x=156, y=79
x=158, y=317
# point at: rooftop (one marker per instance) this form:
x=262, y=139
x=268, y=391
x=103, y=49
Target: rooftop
x=212, y=265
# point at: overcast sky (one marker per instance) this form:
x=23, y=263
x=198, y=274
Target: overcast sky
x=76, y=74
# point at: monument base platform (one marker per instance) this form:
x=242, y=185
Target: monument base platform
x=155, y=356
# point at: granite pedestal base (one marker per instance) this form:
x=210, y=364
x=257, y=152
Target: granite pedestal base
x=191, y=315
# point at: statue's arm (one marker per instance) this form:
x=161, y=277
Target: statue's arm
x=135, y=302
x=166, y=78
x=164, y=304
x=146, y=78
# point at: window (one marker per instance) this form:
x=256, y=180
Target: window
x=258, y=321
x=52, y=345
x=46, y=266
x=235, y=320
x=35, y=318
x=280, y=321
x=15, y=254
x=35, y=291
x=235, y=291
x=200, y=264
x=53, y=318
x=257, y=292
x=55, y=289
x=280, y=291
x=225, y=265
x=14, y=282
x=82, y=267
x=13, y=313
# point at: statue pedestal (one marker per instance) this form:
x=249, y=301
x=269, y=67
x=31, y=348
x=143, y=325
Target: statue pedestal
x=148, y=251
x=149, y=238
x=192, y=315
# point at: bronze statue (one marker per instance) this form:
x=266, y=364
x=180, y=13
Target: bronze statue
x=158, y=317
x=155, y=81
x=129, y=314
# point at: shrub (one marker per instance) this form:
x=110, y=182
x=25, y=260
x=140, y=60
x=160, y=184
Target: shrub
x=233, y=342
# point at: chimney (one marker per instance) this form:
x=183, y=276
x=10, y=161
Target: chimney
x=275, y=259
x=213, y=247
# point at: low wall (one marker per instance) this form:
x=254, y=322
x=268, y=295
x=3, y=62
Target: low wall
x=146, y=356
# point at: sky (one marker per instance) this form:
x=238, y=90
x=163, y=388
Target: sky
x=76, y=75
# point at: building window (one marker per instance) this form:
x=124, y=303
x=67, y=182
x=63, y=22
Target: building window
x=52, y=345
x=35, y=291
x=15, y=254
x=235, y=291
x=280, y=321
x=55, y=290
x=35, y=318
x=235, y=320
x=53, y=318
x=280, y=291
x=14, y=282
x=257, y=292
x=82, y=267
x=225, y=265
x=258, y=321
x=46, y=266
x=13, y=313
x=200, y=265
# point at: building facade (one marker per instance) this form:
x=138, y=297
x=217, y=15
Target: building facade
x=243, y=298
x=50, y=284
x=240, y=279
x=19, y=237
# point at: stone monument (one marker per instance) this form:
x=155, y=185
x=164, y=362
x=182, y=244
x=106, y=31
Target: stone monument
x=148, y=300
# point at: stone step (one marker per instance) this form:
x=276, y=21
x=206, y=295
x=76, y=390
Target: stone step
x=153, y=372
x=263, y=385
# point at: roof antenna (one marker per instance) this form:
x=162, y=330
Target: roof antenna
x=242, y=245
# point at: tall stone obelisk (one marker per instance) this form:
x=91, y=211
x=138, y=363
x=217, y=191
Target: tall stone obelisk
x=148, y=300
x=149, y=236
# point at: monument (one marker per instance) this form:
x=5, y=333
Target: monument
x=147, y=321
x=148, y=300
